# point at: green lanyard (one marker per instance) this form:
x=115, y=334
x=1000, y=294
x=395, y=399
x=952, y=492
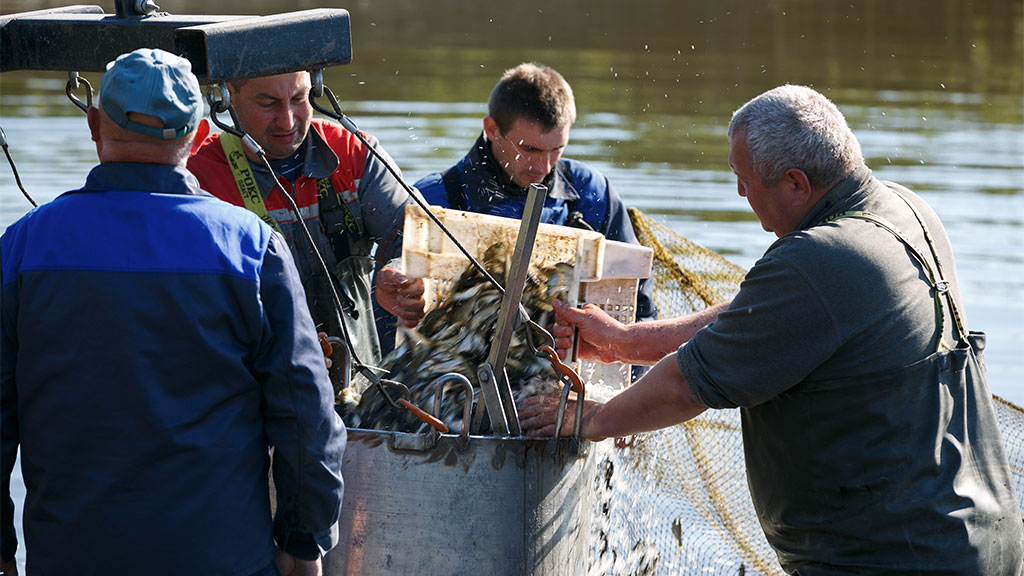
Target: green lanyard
x=252, y=199
x=244, y=179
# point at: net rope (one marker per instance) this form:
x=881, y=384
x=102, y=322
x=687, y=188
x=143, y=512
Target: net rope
x=675, y=501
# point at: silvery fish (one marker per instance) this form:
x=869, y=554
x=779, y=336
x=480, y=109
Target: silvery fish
x=455, y=336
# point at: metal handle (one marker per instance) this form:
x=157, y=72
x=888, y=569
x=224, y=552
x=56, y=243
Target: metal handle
x=467, y=407
x=494, y=387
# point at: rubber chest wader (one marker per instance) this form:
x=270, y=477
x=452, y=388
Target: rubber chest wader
x=914, y=480
x=350, y=265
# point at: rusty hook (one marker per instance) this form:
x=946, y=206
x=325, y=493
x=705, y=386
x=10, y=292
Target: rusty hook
x=565, y=372
x=404, y=403
x=429, y=419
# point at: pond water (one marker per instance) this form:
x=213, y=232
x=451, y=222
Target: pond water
x=933, y=89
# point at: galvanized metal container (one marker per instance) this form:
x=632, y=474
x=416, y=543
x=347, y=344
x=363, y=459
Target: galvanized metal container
x=449, y=504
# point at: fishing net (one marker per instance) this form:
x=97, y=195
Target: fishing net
x=676, y=501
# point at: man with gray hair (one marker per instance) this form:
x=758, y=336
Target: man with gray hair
x=869, y=434
x=156, y=343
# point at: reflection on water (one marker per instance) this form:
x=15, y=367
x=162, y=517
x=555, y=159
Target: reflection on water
x=932, y=88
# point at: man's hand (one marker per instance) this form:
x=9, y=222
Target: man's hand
x=598, y=335
x=289, y=565
x=539, y=414
x=399, y=295
x=9, y=567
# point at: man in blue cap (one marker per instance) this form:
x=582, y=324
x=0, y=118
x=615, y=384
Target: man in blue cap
x=156, y=343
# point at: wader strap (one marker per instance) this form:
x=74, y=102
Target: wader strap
x=940, y=285
x=453, y=186
x=954, y=310
x=252, y=198
x=575, y=218
x=331, y=200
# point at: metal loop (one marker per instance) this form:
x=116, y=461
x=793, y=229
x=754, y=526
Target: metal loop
x=73, y=83
x=221, y=105
x=571, y=381
x=321, y=90
x=467, y=389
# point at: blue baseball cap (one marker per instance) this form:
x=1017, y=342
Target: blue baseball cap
x=156, y=83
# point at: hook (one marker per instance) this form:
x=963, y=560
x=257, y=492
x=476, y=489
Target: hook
x=73, y=83
x=565, y=372
x=223, y=104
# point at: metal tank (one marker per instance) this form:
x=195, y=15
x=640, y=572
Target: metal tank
x=472, y=505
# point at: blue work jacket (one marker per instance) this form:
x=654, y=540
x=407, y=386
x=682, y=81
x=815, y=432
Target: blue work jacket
x=156, y=344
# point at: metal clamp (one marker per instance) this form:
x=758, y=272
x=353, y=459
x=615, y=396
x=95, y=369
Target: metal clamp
x=574, y=442
x=531, y=328
x=418, y=412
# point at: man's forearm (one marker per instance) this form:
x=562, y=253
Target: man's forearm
x=645, y=343
x=659, y=399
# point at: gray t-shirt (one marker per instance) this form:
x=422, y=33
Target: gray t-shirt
x=865, y=452
x=826, y=301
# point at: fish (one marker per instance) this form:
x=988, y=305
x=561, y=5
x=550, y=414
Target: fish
x=455, y=337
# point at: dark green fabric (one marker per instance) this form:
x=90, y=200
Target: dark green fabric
x=867, y=451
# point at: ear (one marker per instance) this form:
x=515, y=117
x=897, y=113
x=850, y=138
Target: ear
x=798, y=187
x=202, y=131
x=491, y=129
x=93, y=118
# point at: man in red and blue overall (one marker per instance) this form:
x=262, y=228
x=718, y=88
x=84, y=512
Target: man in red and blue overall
x=352, y=206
